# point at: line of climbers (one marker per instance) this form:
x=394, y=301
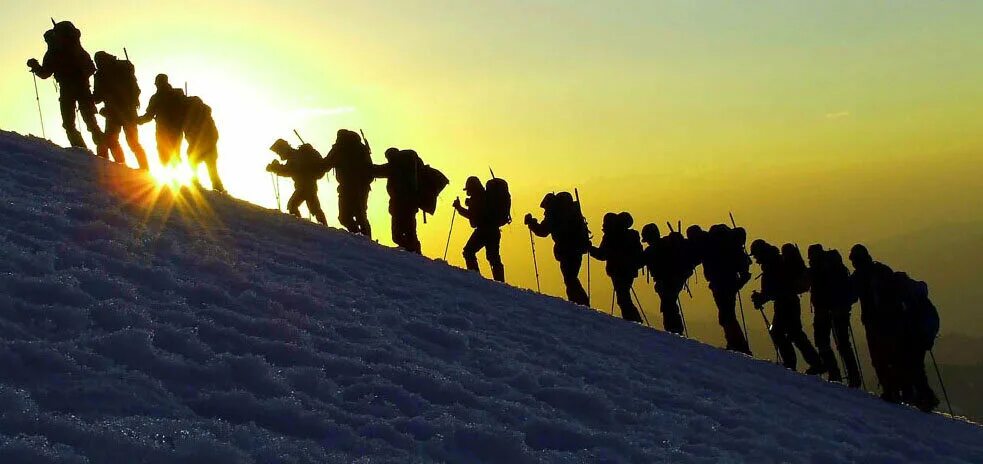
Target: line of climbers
x=899, y=319
x=177, y=116
x=413, y=186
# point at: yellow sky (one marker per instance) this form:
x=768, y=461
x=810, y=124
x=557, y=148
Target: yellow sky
x=836, y=122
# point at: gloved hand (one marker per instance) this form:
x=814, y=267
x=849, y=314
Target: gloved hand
x=758, y=300
x=273, y=166
x=529, y=220
x=743, y=277
x=457, y=202
x=33, y=64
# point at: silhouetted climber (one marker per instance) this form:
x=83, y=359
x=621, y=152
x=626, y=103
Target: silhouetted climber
x=352, y=161
x=726, y=268
x=72, y=68
x=778, y=285
x=202, y=136
x=881, y=312
x=921, y=328
x=832, y=298
x=167, y=108
x=115, y=84
x=563, y=221
x=486, y=217
x=621, y=248
x=400, y=171
x=303, y=165
x=670, y=265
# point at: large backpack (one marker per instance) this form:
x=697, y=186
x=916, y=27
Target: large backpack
x=498, y=202
x=200, y=130
x=67, y=39
x=673, y=257
x=632, y=248
x=429, y=183
x=838, y=279
x=126, y=82
x=571, y=226
x=355, y=159
x=920, y=313
x=795, y=268
x=308, y=161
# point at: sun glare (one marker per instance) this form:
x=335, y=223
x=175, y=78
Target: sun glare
x=176, y=176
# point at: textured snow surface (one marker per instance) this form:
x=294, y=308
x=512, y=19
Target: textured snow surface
x=229, y=333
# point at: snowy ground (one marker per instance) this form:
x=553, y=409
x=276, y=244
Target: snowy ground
x=227, y=333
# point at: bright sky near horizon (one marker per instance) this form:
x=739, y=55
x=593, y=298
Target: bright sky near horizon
x=835, y=121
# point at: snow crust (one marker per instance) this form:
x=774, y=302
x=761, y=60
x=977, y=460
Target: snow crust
x=227, y=333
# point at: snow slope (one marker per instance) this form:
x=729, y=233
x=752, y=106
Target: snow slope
x=227, y=333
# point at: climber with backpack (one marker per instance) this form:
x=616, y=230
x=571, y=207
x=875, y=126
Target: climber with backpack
x=882, y=314
x=668, y=265
x=778, y=285
x=621, y=249
x=795, y=268
x=413, y=186
x=303, y=165
x=351, y=160
x=921, y=326
x=115, y=85
x=167, y=109
x=72, y=67
x=726, y=269
x=202, y=135
x=832, y=297
x=563, y=221
x=487, y=209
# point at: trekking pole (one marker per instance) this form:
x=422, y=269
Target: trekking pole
x=588, y=281
x=276, y=191
x=941, y=384
x=640, y=309
x=856, y=355
x=778, y=355
x=682, y=318
x=453, y=216
x=299, y=137
x=740, y=304
x=740, y=299
x=37, y=97
x=612, y=302
x=535, y=264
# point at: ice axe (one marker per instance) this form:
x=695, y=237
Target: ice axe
x=364, y=139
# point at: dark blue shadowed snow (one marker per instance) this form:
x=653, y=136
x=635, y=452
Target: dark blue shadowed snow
x=231, y=334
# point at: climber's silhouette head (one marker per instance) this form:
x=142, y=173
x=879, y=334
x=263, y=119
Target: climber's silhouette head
x=860, y=257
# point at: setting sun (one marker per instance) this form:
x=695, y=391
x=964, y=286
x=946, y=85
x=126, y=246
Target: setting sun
x=176, y=176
